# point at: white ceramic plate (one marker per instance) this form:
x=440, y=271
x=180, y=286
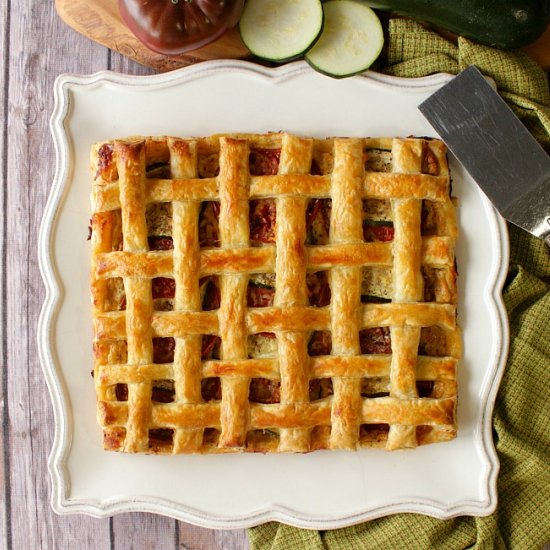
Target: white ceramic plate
x=322, y=490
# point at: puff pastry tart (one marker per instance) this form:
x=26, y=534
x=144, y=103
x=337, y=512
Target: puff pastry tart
x=273, y=293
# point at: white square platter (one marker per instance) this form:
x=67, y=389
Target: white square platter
x=320, y=490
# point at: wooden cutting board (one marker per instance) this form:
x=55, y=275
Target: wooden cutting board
x=100, y=21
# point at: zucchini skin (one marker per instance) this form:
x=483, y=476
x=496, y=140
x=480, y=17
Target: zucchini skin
x=504, y=24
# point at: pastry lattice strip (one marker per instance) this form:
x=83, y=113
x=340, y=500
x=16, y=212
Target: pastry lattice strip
x=337, y=420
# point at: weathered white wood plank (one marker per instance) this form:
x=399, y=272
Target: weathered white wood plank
x=71, y=532
x=40, y=48
x=197, y=538
x=4, y=487
x=139, y=531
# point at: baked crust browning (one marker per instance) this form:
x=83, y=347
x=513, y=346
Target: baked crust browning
x=273, y=293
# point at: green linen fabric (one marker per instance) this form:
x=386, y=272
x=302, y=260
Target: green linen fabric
x=521, y=417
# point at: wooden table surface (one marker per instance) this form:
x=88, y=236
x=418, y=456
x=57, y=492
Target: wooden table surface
x=36, y=47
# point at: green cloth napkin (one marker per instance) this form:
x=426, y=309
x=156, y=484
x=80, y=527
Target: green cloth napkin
x=522, y=412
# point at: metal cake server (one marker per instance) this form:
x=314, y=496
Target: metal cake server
x=495, y=148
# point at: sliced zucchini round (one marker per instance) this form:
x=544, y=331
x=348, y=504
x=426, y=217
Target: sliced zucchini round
x=351, y=40
x=280, y=30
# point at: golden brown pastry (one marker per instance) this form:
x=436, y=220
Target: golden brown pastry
x=273, y=293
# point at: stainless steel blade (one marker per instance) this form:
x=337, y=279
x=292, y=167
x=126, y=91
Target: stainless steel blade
x=495, y=148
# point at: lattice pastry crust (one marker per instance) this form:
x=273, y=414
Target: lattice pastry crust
x=273, y=293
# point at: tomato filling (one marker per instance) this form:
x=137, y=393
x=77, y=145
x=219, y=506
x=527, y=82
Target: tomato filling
x=430, y=165
x=121, y=392
x=163, y=287
x=262, y=218
x=160, y=243
x=162, y=395
x=318, y=221
x=211, y=389
x=373, y=431
x=263, y=390
x=259, y=295
x=319, y=388
x=159, y=394
x=210, y=293
x=318, y=289
x=264, y=162
x=424, y=388
x=320, y=343
x=210, y=347
x=209, y=229
x=160, y=436
x=377, y=224
x=375, y=340
x=377, y=232
x=163, y=350
x=163, y=391
x=106, y=168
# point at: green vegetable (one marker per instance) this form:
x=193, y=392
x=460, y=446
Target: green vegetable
x=351, y=40
x=280, y=30
x=505, y=24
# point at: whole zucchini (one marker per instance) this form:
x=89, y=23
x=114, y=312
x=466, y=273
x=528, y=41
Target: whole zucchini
x=505, y=24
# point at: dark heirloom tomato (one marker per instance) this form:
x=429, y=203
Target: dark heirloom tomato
x=172, y=27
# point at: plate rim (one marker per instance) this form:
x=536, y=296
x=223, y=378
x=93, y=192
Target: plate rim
x=60, y=501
